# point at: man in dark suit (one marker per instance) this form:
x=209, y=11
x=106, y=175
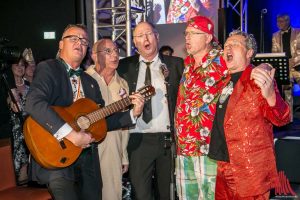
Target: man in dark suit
x=148, y=147
x=59, y=82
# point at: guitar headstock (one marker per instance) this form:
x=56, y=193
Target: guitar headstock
x=147, y=91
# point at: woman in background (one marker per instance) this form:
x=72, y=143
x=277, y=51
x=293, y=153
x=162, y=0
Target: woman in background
x=16, y=100
x=30, y=68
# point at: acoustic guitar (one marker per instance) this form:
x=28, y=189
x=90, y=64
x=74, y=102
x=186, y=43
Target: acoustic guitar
x=83, y=114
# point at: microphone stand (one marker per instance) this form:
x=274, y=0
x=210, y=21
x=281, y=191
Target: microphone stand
x=172, y=143
x=262, y=31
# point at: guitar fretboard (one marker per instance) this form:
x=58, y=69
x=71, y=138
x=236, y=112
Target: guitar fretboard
x=108, y=110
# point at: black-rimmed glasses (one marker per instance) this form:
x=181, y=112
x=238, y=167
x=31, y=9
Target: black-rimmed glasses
x=75, y=39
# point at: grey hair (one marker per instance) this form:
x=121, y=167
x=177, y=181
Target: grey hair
x=249, y=39
x=285, y=17
x=81, y=26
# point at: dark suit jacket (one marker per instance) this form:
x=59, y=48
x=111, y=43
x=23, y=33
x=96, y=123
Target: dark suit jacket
x=51, y=87
x=129, y=70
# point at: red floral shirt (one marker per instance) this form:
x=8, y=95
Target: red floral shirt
x=198, y=93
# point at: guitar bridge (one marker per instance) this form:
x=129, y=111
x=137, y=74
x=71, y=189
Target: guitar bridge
x=62, y=144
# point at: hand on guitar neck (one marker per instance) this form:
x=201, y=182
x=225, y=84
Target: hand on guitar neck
x=80, y=139
x=83, y=139
x=138, y=104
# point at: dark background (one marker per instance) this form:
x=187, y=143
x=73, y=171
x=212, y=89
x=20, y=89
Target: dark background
x=24, y=21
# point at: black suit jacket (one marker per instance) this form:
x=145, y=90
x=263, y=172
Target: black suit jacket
x=129, y=70
x=51, y=87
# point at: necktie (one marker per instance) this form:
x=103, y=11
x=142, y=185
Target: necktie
x=286, y=31
x=77, y=72
x=147, y=111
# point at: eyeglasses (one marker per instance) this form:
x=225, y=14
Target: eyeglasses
x=75, y=39
x=109, y=51
x=186, y=33
x=145, y=34
x=234, y=43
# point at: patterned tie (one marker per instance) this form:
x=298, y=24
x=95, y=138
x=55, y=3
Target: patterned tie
x=147, y=111
x=77, y=72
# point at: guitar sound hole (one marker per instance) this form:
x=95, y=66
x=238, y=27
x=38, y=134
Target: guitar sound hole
x=83, y=122
x=63, y=159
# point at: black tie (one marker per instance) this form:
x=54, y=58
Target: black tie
x=147, y=111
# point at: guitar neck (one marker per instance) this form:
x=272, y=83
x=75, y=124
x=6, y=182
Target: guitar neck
x=108, y=110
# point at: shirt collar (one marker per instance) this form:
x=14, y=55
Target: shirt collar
x=69, y=66
x=145, y=60
x=155, y=61
x=92, y=69
x=286, y=31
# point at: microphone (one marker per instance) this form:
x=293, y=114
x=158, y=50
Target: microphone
x=264, y=11
x=164, y=69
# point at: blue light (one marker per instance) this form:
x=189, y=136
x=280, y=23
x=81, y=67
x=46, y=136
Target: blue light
x=290, y=7
x=296, y=90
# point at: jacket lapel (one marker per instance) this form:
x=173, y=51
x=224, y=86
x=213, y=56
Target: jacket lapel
x=293, y=38
x=278, y=41
x=237, y=92
x=87, y=88
x=168, y=63
x=133, y=72
x=66, y=84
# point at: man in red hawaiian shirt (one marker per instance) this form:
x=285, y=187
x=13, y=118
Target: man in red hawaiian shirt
x=199, y=89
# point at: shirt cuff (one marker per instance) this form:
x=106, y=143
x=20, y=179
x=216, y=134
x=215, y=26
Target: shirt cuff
x=63, y=131
x=133, y=119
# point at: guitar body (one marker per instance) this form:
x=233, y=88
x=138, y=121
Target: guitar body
x=47, y=150
x=85, y=113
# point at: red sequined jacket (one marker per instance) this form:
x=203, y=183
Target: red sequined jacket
x=249, y=136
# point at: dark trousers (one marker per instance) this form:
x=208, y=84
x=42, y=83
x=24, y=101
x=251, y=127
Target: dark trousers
x=148, y=156
x=87, y=184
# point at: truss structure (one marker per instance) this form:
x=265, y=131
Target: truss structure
x=240, y=8
x=116, y=18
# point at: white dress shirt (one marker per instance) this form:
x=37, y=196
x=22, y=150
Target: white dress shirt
x=160, y=113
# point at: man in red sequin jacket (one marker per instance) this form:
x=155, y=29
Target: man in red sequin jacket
x=242, y=134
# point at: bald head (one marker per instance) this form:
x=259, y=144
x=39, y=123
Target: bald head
x=141, y=25
x=145, y=39
x=98, y=44
x=105, y=54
